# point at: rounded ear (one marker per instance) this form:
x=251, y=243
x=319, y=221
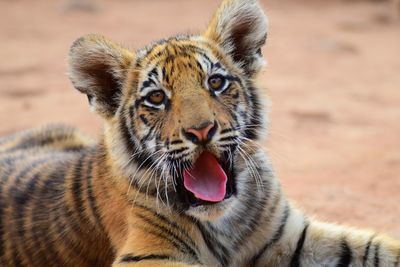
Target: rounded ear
x=98, y=67
x=240, y=28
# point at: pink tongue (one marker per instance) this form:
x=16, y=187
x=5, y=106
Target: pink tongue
x=206, y=180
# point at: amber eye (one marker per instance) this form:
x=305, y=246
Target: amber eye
x=216, y=82
x=156, y=97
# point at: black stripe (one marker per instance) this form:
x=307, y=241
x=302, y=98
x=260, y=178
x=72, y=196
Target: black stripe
x=68, y=231
x=18, y=196
x=227, y=130
x=251, y=211
x=143, y=158
x=346, y=255
x=71, y=246
x=216, y=248
x=7, y=170
x=40, y=233
x=282, y=225
x=170, y=223
x=376, y=257
x=277, y=235
x=153, y=72
x=176, y=245
x=228, y=138
x=150, y=134
x=21, y=175
x=230, y=145
x=22, y=199
x=131, y=258
x=180, y=157
x=199, y=65
x=147, y=84
x=177, y=151
x=255, y=118
x=366, y=252
x=234, y=78
x=75, y=229
x=144, y=120
x=295, y=262
x=177, y=241
x=91, y=199
x=175, y=142
x=77, y=179
x=397, y=259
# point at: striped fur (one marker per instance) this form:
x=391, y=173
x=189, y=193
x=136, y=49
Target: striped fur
x=68, y=201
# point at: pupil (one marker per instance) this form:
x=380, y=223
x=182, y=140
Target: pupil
x=215, y=82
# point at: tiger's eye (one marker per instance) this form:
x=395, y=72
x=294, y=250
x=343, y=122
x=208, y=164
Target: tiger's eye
x=216, y=82
x=156, y=97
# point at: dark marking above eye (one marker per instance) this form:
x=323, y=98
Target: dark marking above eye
x=153, y=72
x=218, y=65
x=207, y=58
x=147, y=84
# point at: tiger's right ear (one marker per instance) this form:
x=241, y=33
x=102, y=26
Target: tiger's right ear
x=98, y=67
x=240, y=27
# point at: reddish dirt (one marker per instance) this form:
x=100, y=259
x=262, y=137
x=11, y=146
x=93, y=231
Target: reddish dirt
x=333, y=78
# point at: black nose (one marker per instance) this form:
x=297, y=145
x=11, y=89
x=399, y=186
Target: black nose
x=202, y=133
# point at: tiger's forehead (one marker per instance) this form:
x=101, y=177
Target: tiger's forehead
x=178, y=51
x=177, y=62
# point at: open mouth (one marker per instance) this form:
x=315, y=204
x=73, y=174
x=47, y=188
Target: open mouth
x=208, y=181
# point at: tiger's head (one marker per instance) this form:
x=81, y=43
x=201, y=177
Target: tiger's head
x=179, y=112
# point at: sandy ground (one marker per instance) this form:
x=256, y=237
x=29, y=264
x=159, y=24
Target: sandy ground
x=333, y=80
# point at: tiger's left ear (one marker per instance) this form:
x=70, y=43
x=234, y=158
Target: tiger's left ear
x=240, y=28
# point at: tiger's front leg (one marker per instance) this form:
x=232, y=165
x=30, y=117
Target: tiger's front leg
x=156, y=255
x=308, y=243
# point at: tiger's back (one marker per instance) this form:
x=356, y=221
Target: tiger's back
x=43, y=218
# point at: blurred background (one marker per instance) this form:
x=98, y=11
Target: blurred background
x=333, y=78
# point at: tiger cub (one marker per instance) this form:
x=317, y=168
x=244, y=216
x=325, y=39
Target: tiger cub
x=178, y=177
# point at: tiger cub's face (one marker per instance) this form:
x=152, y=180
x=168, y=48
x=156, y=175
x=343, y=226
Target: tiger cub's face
x=180, y=111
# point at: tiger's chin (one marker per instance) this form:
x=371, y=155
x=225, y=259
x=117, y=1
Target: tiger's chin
x=212, y=211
